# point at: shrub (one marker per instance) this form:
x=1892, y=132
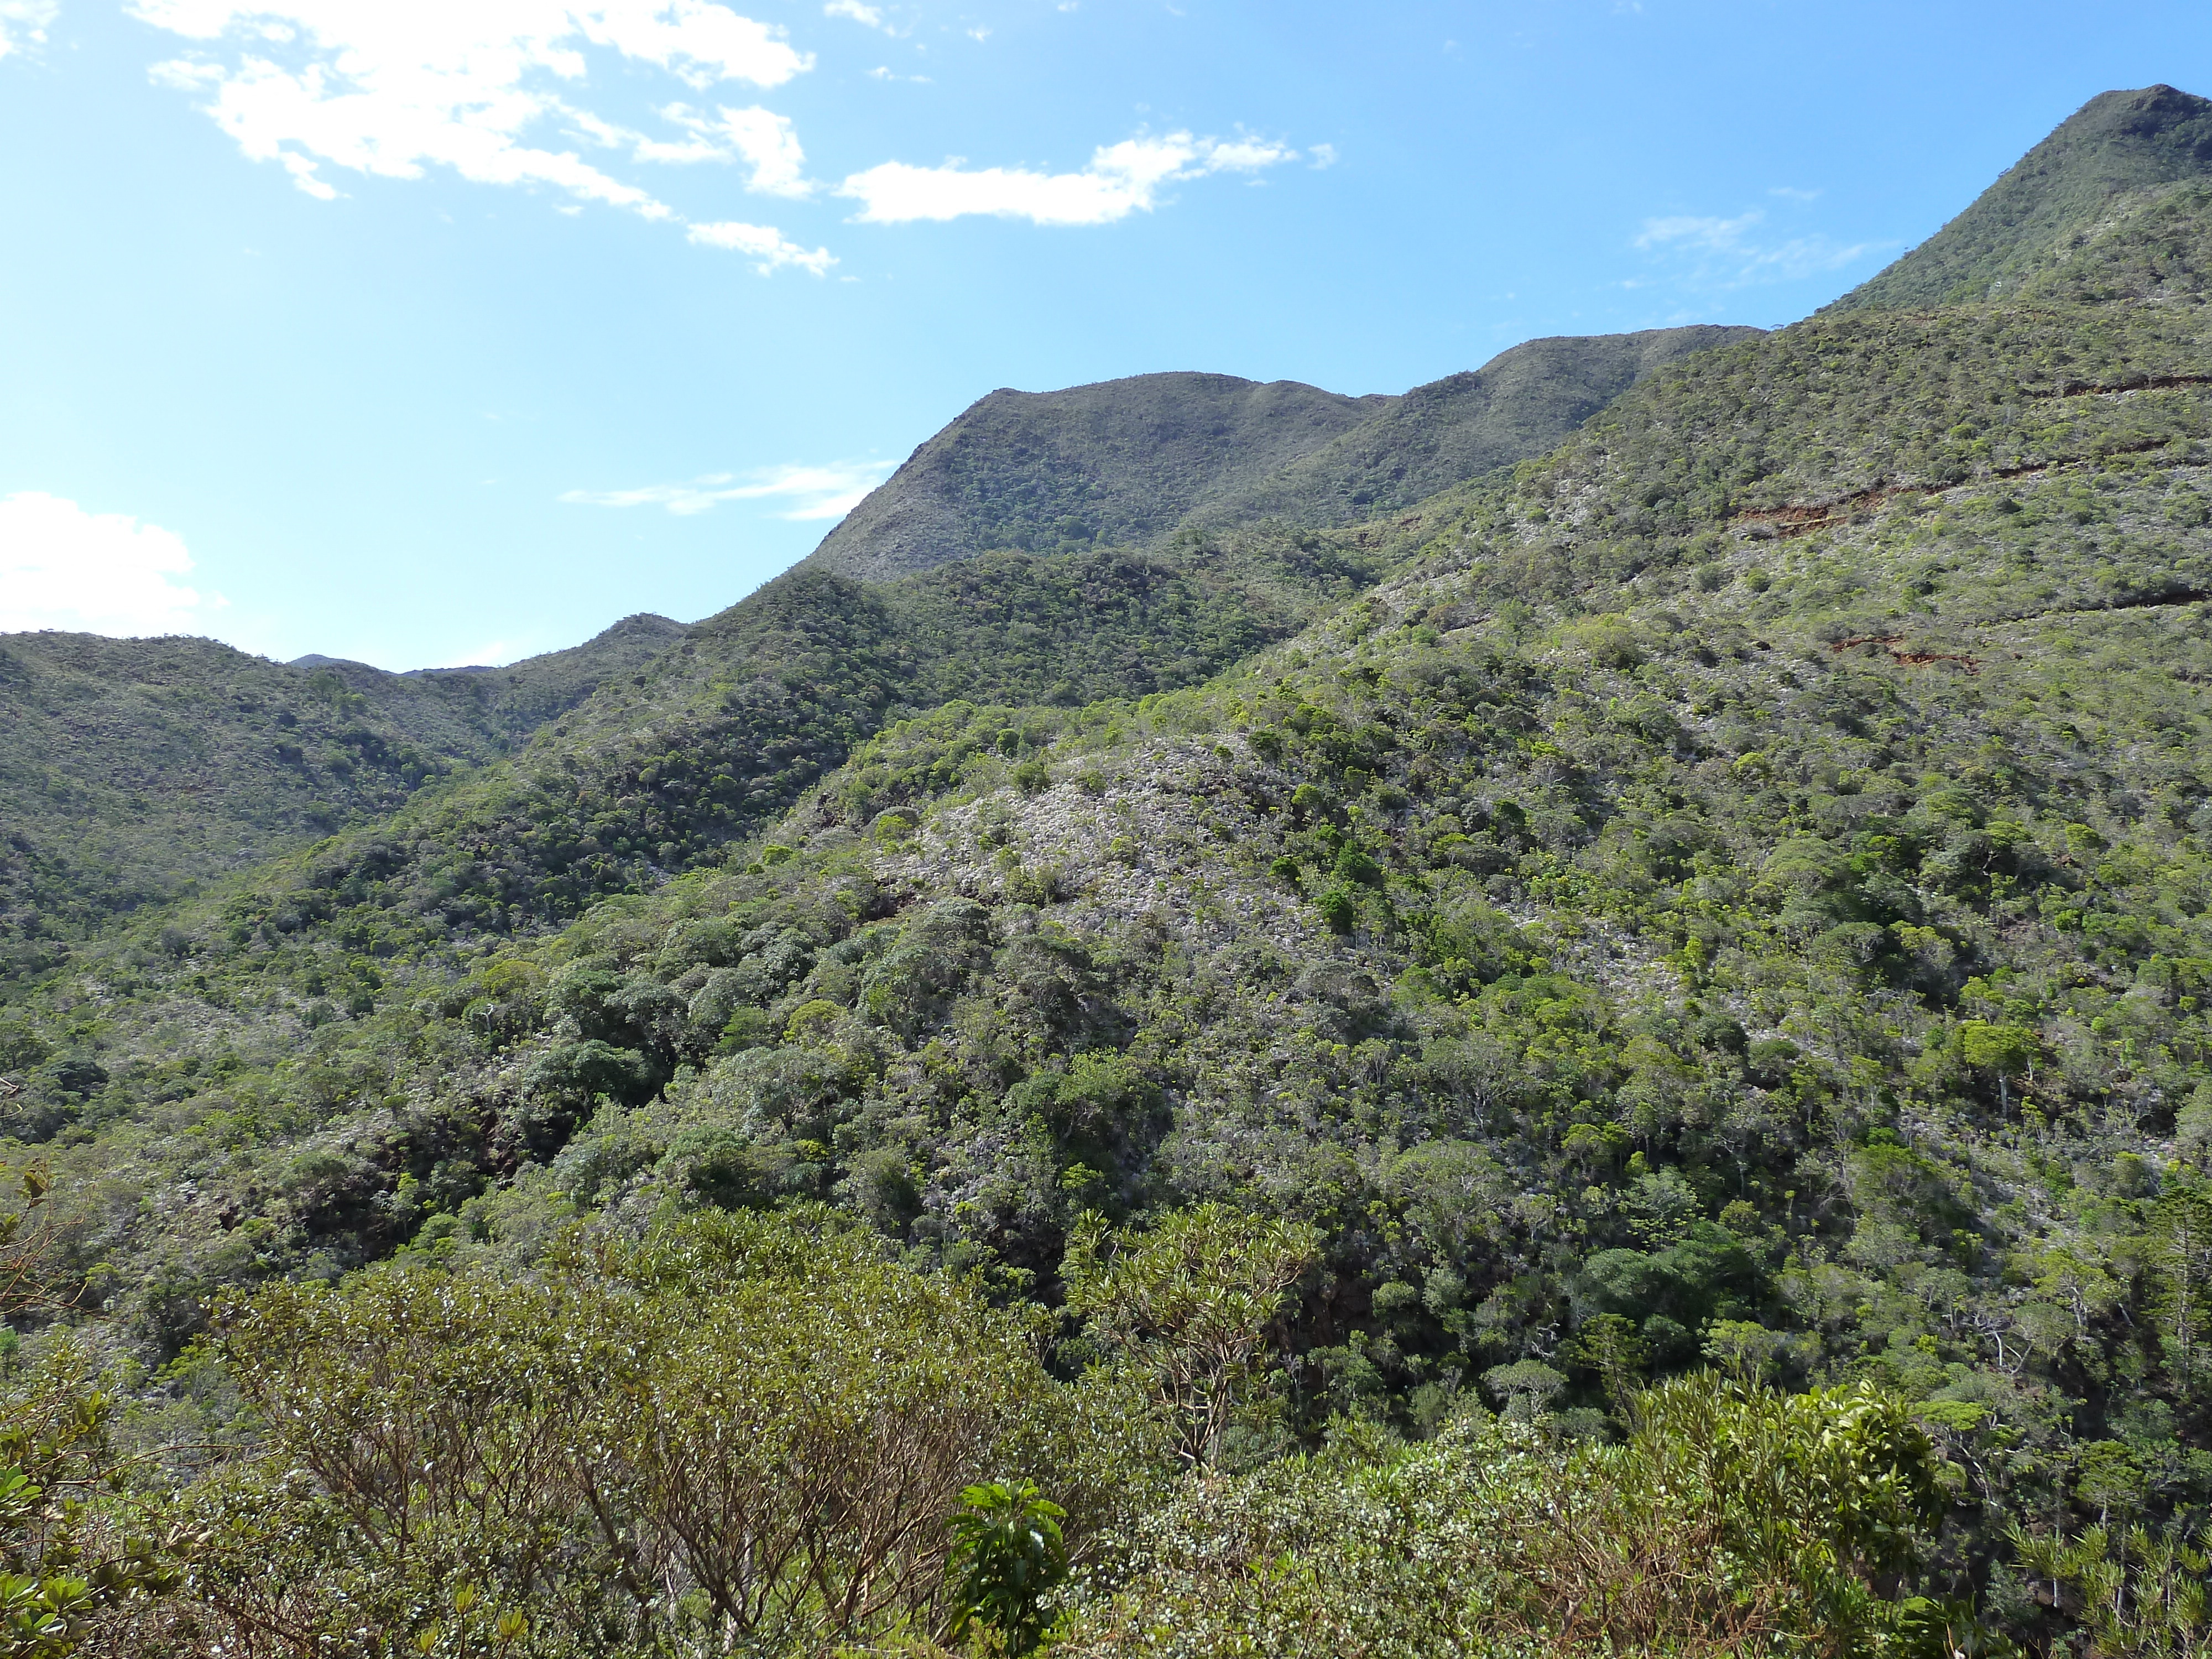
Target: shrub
x=1338, y=909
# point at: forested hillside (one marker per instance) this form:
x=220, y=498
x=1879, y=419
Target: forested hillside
x=1518, y=405
x=130, y=770
x=1115, y=463
x=1624, y=1066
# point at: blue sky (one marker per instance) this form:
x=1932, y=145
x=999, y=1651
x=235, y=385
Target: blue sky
x=427, y=332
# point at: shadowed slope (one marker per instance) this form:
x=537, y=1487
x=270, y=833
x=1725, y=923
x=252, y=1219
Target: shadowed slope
x=1128, y=461
x=1518, y=404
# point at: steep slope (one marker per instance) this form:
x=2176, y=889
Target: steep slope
x=523, y=695
x=663, y=768
x=130, y=770
x=2102, y=160
x=1519, y=403
x=1119, y=462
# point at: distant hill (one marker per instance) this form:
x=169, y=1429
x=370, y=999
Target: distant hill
x=132, y=768
x=1129, y=461
x=1119, y=462
x=2117, y=146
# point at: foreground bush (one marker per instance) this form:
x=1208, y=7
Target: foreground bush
x=1733, y=1520
x=747, y=1433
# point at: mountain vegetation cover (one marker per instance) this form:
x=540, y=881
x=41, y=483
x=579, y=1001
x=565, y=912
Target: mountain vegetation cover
x=1615, y=1061
x=1162, y=457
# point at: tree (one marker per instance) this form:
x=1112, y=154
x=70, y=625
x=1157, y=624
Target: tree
x=64, y=1560
x=2181, y=1258
x=30, y=1247
x=1188, y=1305
x=2003, y=1051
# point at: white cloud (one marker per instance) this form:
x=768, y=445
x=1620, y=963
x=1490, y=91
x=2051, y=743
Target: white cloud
x=761, y=138
x=815, y=492
x=764, y=244
x=92, y=572
x=1724, y=252
x=391, y=88
x=1120, y=179
x=24, y=22
x=764, y=139
x=872, y=15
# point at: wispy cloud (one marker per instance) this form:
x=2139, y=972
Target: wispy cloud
x=1120, y=179
x=499, y=93
x=828, y=491
x=761, y=138
x=93, y=573
x=873, y=17
x=24, y=23
x=1727, y=252
x=764, y=244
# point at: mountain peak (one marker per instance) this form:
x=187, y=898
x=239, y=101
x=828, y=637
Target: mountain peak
x=2118, y=145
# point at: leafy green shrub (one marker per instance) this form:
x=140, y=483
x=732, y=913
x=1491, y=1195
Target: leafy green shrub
x=764, y=1410
x=1186, y=1306
x=1730, y=1519
x=1338, y=909
x=1009, y=1556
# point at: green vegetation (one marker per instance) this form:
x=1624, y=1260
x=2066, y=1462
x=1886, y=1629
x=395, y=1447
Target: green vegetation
x=131, y=771
x=1176, y=461
x=1115, y=464
x=2115, y=151
x=1515, y=406
x=1624, y=1066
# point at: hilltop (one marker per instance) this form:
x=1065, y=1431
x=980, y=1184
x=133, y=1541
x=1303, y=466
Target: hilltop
x=2105, y=160
x=1116, y=463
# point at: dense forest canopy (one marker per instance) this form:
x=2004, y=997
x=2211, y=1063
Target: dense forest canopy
x=1617, y=1061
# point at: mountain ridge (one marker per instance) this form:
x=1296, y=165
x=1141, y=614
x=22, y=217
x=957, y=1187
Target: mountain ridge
x=1172, y=429
x=2117, y=146
x=132, y=770
x=1137, y=460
